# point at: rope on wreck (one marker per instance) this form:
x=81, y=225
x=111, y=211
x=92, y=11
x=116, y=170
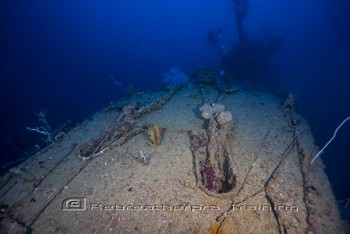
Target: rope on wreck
x=125, y=127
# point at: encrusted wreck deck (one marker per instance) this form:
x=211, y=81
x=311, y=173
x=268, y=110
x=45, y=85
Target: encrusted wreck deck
x=106, y=174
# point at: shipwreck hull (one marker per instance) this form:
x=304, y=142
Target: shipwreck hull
x=94, y=181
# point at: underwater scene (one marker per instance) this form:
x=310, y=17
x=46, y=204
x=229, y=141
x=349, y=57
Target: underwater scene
x=177, y=116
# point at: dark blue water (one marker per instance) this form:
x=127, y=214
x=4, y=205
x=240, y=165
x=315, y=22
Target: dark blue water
x=59, y=56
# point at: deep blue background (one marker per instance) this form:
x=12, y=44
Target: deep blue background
x=58, y=55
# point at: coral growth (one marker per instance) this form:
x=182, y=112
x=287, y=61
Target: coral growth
x=215, y=169
x=213, y=144
x=213, y=110
x=209, y=176
x=155, y=135
x=224, y=120
x=199, y=139
x=217, y=111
